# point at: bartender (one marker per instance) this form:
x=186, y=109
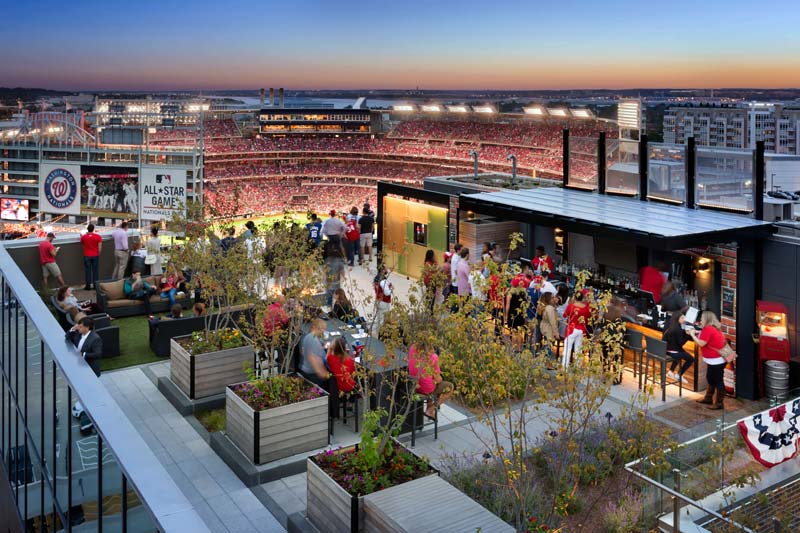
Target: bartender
x=651, y=280
x=542, y=263
x=671, y=298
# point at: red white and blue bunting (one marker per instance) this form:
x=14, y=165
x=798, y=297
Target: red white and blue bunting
x=773, y=435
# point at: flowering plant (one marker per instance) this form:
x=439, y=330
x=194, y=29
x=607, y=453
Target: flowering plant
x=396, y=465
x=536, y=526
x=276, y=391
x=220, y=339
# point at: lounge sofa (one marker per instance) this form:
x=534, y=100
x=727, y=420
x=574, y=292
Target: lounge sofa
x=111, y=297
x=161, y=331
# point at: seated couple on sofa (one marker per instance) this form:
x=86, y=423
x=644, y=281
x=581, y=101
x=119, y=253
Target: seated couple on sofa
x=136, y=288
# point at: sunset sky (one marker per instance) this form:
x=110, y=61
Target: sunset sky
x=435, y=44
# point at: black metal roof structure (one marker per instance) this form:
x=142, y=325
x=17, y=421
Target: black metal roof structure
x=648, y=223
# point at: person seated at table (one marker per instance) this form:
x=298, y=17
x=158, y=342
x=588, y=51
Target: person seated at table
x=312, y=355
x=199, y=309
x=275, y=317
x=342, y=308
x=70, y=304
x=135, y=288
x=423, y=365
x=342, y=366
x=675, y=337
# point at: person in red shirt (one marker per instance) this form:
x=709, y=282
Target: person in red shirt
x=651, y=280
x=542, y=263
x=47, y=258
x=92, y=244
x=275, y=317
x=423, y=365
x=578, y=315
x=711, y=341
x=342, y=366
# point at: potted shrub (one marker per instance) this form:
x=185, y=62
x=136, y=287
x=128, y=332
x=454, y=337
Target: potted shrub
x=204, y=363
x=338, y=480
x=275, y=417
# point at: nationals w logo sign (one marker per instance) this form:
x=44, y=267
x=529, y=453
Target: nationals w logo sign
x=60, y=188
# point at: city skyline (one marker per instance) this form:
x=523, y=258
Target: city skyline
x=445, y=45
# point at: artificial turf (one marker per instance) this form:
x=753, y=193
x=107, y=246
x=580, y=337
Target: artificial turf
x=134, y=346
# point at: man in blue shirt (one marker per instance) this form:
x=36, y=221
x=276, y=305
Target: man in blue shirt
x=314, y=230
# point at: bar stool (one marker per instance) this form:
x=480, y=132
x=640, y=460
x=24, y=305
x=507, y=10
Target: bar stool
x=352, y=398
x=657, y=351
x=634, y=341
x=415, y=408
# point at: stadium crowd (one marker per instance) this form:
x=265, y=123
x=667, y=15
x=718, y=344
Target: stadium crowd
x=270, y=195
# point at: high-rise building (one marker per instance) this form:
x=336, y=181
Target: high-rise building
x=736, y=126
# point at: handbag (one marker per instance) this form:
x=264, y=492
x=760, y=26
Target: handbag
x=727, y=353
x=150, y=259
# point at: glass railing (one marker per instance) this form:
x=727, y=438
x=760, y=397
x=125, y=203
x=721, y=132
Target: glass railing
x=725, y=179
x=622, y=166
x=666, y=172
x=583, y=162
x=87, y=473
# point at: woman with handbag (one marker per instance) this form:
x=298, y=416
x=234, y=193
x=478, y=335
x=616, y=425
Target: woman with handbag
x=713, y=346
x=153, y=258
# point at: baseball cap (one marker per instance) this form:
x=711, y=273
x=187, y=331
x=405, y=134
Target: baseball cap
x=333, y=212
x=51, y=234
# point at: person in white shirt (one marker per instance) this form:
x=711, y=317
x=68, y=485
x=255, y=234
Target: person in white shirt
x=333, y=226
x=454, y=259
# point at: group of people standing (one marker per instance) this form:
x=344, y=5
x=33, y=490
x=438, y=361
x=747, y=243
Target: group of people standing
x=127, y=257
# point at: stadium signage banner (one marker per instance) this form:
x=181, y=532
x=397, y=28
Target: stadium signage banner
x=163, y=192
x=59, y=188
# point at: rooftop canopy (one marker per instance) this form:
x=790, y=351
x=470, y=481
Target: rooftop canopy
x=650, y=223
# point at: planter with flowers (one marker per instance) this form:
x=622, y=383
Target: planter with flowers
x=275, y=417
x=338, y=480
x=205, y=362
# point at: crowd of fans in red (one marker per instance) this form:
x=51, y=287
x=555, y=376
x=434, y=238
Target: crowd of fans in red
x=212, y=129
x=397, y=156
x=393, y=170
x=269, y=195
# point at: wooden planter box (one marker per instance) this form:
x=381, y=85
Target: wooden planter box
x=331, y=508
x=207, y=374
x=273, y=434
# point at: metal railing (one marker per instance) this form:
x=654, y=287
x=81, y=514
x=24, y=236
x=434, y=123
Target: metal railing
x=61, y=478
x=689, y=461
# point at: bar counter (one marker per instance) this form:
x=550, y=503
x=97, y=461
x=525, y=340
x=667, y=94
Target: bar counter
x=696, y=375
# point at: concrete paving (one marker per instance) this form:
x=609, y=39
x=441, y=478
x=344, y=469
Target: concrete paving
x=221, y=499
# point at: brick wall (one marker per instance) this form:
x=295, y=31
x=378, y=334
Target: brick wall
x=725, y=257
x=453, y=219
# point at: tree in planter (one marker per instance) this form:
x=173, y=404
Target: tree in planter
x=509, y=387
x=379, y=462
x=222, y=280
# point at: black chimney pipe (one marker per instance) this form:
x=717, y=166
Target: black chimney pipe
x=691, y=172
x=759, y=181
x=643, y=163
x=565, y=146
x=601, y=163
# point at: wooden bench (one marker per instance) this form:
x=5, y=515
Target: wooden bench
x=428, y=504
